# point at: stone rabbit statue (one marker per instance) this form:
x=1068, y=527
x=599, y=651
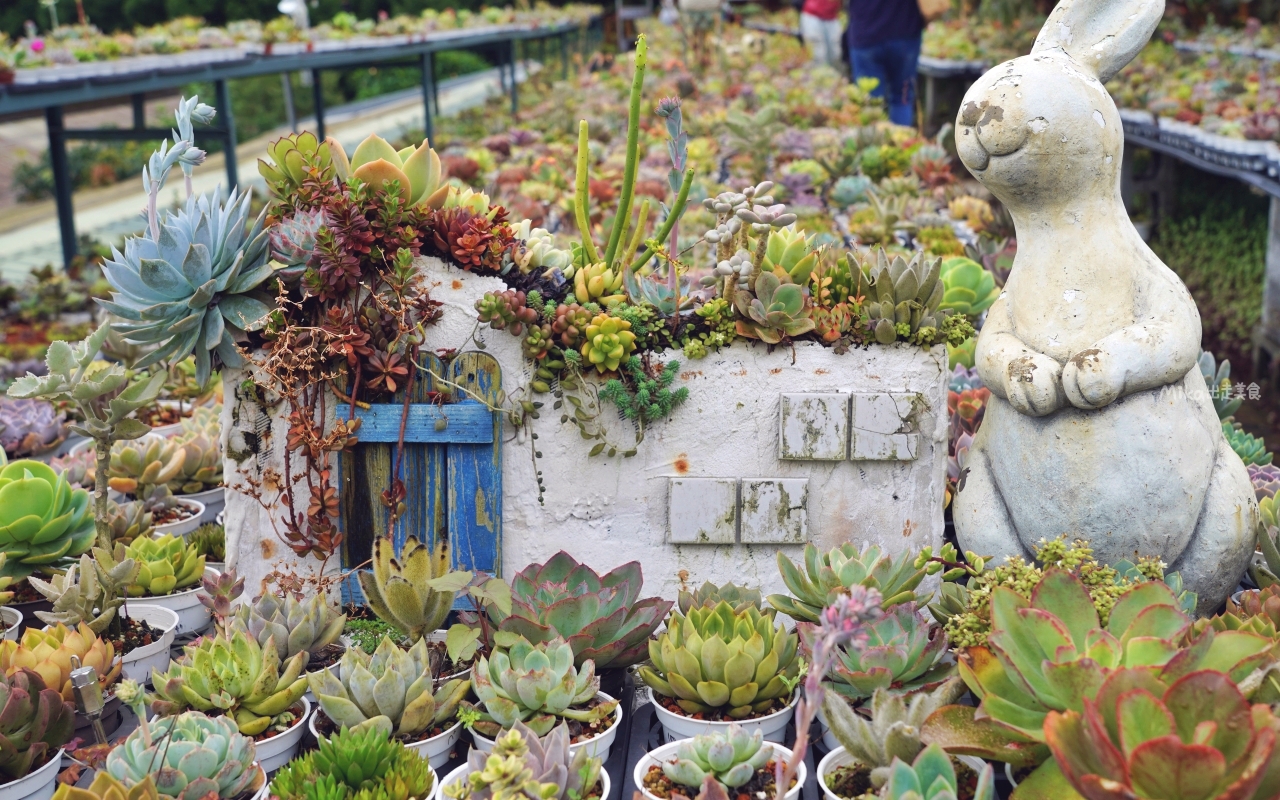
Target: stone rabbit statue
x=1099, y=425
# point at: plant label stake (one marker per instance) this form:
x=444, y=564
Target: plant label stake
x=88, y=691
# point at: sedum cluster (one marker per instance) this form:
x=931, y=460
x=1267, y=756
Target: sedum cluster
x=356, y=765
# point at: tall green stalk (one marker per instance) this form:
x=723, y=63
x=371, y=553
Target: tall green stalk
x=623, y=217
x=582, y=196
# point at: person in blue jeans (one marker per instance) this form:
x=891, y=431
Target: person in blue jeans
x=884, y=43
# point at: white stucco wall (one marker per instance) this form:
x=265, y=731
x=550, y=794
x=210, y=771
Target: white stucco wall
x=606, y=511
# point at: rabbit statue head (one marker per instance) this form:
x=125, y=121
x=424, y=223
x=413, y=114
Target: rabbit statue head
x=1042, y=127
x=1099, y=425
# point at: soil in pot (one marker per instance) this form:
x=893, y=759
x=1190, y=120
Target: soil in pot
x=326, y=728
x=853, y=781
x=325, y=657
x=718, y=715
x=158, y=416
x=168, y=516
x=137, y=633
x=447, y=668
x=272, y=732
x=761, y=785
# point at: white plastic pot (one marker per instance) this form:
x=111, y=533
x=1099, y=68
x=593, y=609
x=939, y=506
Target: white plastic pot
x=139, y=662
x=213, y=500
x=193, y=616
x=668, y=751
x=183, y=527
x=38, y=785
x=829, y=740
x=12, y=622
x=677, y=726
x=441, y=635
x=461, y=773
x=277, y=751
x=598, y=745
x=435, y=750
x=839, y=757
x=265, y=791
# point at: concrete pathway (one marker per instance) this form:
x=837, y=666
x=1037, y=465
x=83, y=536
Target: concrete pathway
x=29, y=234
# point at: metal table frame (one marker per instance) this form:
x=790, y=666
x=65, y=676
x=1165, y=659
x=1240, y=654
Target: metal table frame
x=52, y=90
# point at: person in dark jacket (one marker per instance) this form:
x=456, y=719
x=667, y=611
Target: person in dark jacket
x=884, y=43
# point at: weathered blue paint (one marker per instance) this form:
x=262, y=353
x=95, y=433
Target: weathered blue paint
x=467, y=422
x=474, y=497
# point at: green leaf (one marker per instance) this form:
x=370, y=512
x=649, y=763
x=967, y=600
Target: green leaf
x=61, y=359
x=129, y=428
x=496, y=591
x=454, y=581
x=1046, y=781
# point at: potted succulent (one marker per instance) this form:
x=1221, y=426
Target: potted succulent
x=865, y=749
x=313, y=626
x=31, y=428
x=191, y=756
x=904, y=653
x=144, y=466
x=740, y=761
x=364, y=763
x=35, y=722
x=716, y=666
x=92, y=593
x=931, y=776
x=826, y=575
x=601, y=616
x=42, y=519
x=416, y=591
x=395, y=691
x=169, y=573
x=537, y=684
x=11, y=617
x=200, y=438
x=210, y=541
x=524, y=763
x=233, y=676
x=49, y=654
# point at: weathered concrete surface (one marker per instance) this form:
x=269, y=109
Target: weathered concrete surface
x=607, y=511
x=1099, y=425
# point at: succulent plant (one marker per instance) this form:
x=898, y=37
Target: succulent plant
x=193, y=287
x=1265, y=479
x=894, y=729
x=601, y=616
x=151, y=460
x=828, y=574
x=128, y=520
x=740, y=598
x=1035, y=644
x=210, y=541
x=400, y=591
x=1194, y=737
x=607, y=342
x=42, y=518
x=1217, y=380
x=524, y=765
x=789, y=255
x=506, y=311
x=417, y=169
x=166, y=564
x=1250, y=448
x=234, y=676
x=716, y=659
x=297, y=627
x=536, y=684
x=540, y=251
x=967, y=287
x=293, y=154
x=34, y=723
x=732, y=758
x=850, y=189
x=106, y=787
x=392, y=690
x=932, y=777
x=904, y=653
x=77, y=469
x=597, y=283
x=775, y=311
x=189, y=756
x=363, y=765
x=48, y=652
x=217, y=592
x=904, y=296
x=30, y=427
x=201, y=465
x=88, y=593
x=964, y=379
x=293, y=241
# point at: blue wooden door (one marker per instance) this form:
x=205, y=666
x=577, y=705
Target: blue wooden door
x=451, y=468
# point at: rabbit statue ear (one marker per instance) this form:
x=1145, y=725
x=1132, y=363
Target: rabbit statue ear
x=1101, y=35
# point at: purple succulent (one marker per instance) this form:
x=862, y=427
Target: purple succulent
x=293, y=239
x=1265, y=480
x=523, y=137
x=795, y=142
x=963, y=377
x=77, y=469
x=799, y=186
x=601, y=616
x=30, y=427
